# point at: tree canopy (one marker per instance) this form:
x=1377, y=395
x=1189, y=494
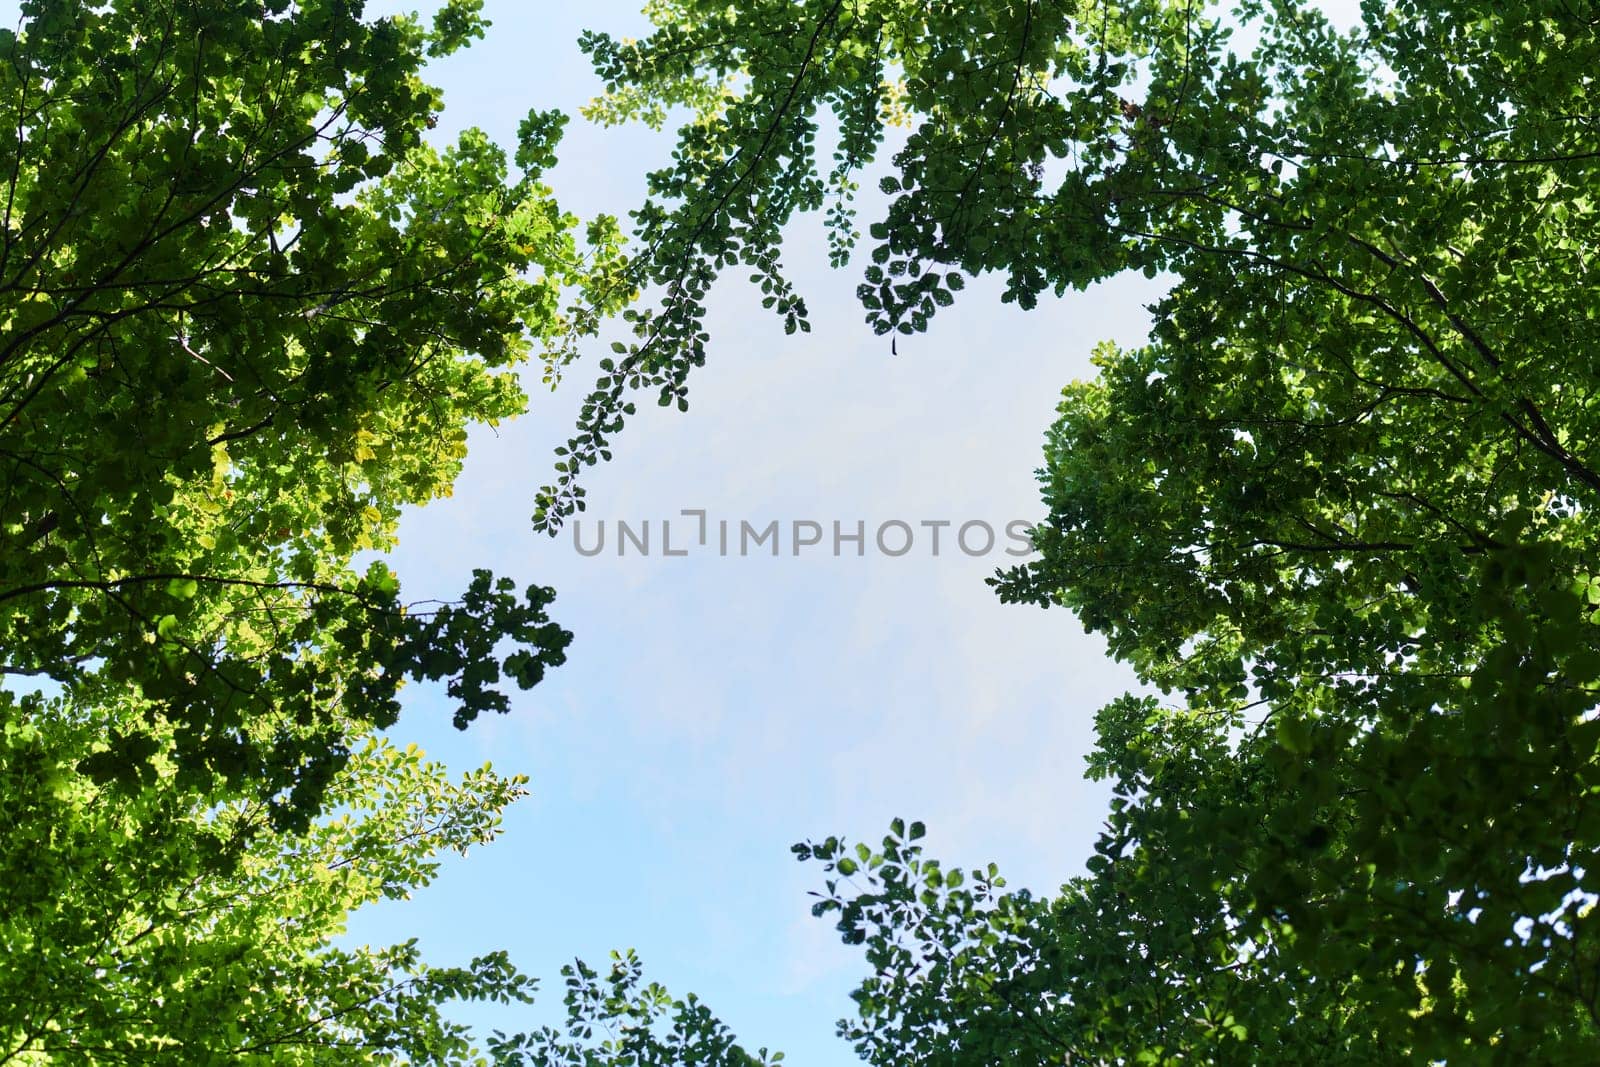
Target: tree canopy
x=250, y=313
x=1337, y=509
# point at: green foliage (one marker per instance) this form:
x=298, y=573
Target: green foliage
x=1338, y=509
x=144, y=926
x=619, y=1019
x=1109, y=971
x=249, y=315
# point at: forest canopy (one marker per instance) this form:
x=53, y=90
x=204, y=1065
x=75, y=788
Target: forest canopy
x=1334, y=510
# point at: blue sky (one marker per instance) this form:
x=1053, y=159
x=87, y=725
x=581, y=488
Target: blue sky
x=716, y=710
